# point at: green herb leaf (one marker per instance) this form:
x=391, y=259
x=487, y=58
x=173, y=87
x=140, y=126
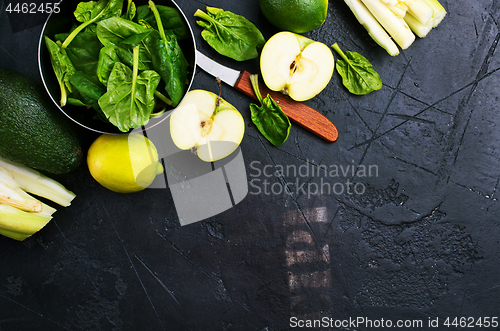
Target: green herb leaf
x=269, y=118
x=85, y=11
x=168, y=59
x=92, y=12
x=115, y=30
x=129, y=100
x=230, y=34
x=171, y=20
x=107, y=59
x=357, y=73
x=124, y=35
x=83, y=50
x=63, y=68
x=89, y=90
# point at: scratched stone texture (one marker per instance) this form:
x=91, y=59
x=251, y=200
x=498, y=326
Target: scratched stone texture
x=421, y=241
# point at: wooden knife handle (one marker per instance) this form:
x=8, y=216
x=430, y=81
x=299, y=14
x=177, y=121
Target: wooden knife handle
x=298, y=112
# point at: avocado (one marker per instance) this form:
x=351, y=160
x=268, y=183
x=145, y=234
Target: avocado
x=33, y=131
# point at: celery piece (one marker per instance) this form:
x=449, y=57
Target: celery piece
x=375, y=30
x=420, y=10
x=395, y=26
x=11, y=194
x=420, y=29
x=399, y=8
x=47, y=210
x=438, y=12
x=17, y=224
x=14, y=235
x=35, y=182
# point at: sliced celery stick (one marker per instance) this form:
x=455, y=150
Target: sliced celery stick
x=395, y=26
x=375, y=30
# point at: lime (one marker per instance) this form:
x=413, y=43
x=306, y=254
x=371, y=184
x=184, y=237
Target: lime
x=297, y=16
x=123, y=163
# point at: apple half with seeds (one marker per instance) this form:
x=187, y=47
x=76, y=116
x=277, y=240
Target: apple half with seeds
x=295, y=65
x=207, y=124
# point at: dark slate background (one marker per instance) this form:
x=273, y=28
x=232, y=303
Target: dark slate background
x=421, y=243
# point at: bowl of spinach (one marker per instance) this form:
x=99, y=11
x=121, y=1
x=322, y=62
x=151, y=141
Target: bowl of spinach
x=116, y=65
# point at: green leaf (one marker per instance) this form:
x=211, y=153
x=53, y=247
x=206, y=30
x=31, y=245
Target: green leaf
x=168, y=59
x=124, y=35
x=230, y=34
x=169, y=62
x=89, y=90
x=115, y=30
x=107, y=59
x=84, y=50
x=129, y=100
x=171, y=20
x=357, y=73
x=126, y=56
x=63, y=68
x=85, y=11
x=92, y=12
x=269, y=118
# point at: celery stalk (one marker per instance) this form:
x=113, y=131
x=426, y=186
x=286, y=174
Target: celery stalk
x=420, y=10
x=375, y=30
x=35, y=182
x=420, y=29
x=19, y=199
x=438, y=12
x=18, y=224
x=395, y=26
x=397, y=7
x=14, y=235
x=47, y=210
x=11, y=194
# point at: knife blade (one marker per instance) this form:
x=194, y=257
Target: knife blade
x=298, y=112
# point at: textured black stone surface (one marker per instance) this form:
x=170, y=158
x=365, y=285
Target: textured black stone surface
x=421, y=243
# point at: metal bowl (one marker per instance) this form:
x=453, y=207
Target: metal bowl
x=61, y=22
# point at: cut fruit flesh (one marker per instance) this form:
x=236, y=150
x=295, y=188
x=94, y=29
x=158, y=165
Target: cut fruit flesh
x=197, y=124
x=296, y=66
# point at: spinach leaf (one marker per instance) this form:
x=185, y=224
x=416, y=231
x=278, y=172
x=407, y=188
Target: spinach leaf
x=92, y=12
x=357, y=73
x=89, y=91
x=84, y=50
x=107, y=59
x=126, y=56
x=168, y=60
x=271, y=121
x=124, y=35
x=85, y=10
x=115, y=30
x=129, y=100
x=63, y=68
x=230, y=34
x=171, y=20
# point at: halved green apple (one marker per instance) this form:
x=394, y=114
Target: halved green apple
x=214, y=129
x=295, y=65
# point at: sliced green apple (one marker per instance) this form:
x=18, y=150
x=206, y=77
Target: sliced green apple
x=296, y=66
x=214, y=129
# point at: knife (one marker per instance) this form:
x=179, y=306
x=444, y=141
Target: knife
x=298, y=112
